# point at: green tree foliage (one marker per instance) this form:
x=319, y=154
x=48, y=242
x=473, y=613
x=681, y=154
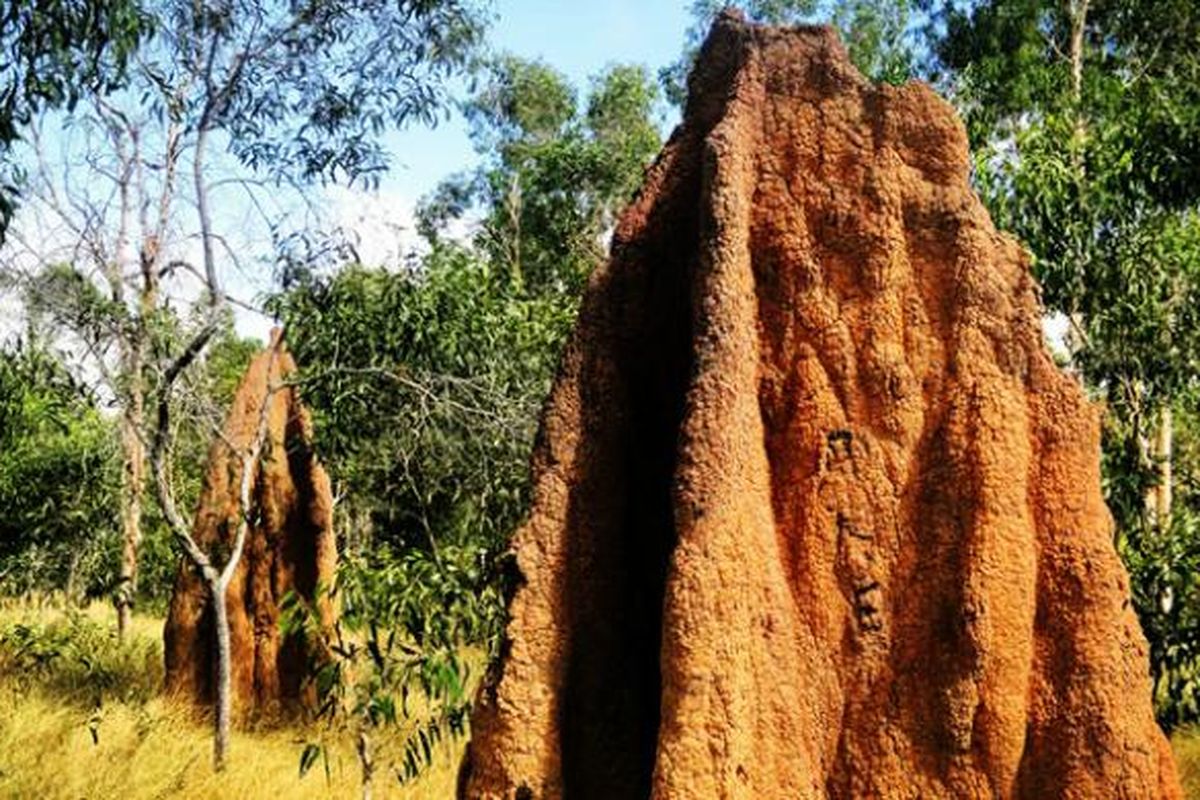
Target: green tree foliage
x=53, y=52
x=1085, y=122
x=304, y=89
x=58, y=479
x=555, y=171
x=1164, y=568
x=425, y=387
x=60, y=472
x=878, y=34
x=397, y=662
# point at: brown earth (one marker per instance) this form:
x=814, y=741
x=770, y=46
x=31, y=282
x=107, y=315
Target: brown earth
x=291, y=548
x=815, y=514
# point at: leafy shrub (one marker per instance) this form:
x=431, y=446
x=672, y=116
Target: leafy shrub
x=395, y=660
x=425, y=389
x=81, y=661
x=59, y=480
x=1164, y=571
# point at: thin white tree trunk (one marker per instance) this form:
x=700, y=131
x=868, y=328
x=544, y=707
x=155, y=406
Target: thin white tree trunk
x=1163, y=454
x=224, y=700
x=1079, y=12
x=217, y=577
x=1156, y=450
x=132, y=400
x=133, y=454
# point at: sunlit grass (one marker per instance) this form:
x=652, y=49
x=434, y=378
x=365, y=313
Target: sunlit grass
x=56, y=742
x=1186, y=744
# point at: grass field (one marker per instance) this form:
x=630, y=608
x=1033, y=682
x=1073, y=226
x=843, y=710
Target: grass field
x=60, y=741
x=1186, y=745
x=56, y=742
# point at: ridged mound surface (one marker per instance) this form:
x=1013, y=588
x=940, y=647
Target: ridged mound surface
x=815, y=514
x=291, y=548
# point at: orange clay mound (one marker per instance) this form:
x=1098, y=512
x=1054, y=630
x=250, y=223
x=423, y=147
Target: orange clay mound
x=291, y=548
x=815, y=514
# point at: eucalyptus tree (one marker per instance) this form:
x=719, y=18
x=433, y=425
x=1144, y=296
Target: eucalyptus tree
x=55, y=53
x=556, y=169
x=1084, y=116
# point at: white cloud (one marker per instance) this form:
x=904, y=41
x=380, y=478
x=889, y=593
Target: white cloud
x=381, y=224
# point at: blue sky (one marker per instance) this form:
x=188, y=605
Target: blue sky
x=577, y=37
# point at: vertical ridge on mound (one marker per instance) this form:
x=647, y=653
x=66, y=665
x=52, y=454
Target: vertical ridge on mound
x=815, y=515
x=291, y=547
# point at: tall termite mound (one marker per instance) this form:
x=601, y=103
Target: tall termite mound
x=290, y=547
x=815, y=515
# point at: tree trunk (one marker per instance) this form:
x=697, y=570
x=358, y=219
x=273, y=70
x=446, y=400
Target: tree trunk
x=367, y=761
x=1163, y=456
x=1156, y=452
x=133, y=447
x=224, y=705
x=1078, y=12
x=133, y=454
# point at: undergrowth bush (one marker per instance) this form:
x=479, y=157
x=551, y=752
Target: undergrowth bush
x=399, y=665
x=80, y=661
x=1164, y=572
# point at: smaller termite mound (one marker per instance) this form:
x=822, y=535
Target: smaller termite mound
x=290, y=547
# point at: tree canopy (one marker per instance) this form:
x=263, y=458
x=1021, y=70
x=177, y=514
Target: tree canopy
x=555, y=172
x=54, y=53
x=1084, y=118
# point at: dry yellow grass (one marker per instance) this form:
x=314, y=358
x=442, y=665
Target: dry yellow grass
x=152, y=750
x=47, y=751
x=146, y=751
x=46, y=609
x=1186, y=745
